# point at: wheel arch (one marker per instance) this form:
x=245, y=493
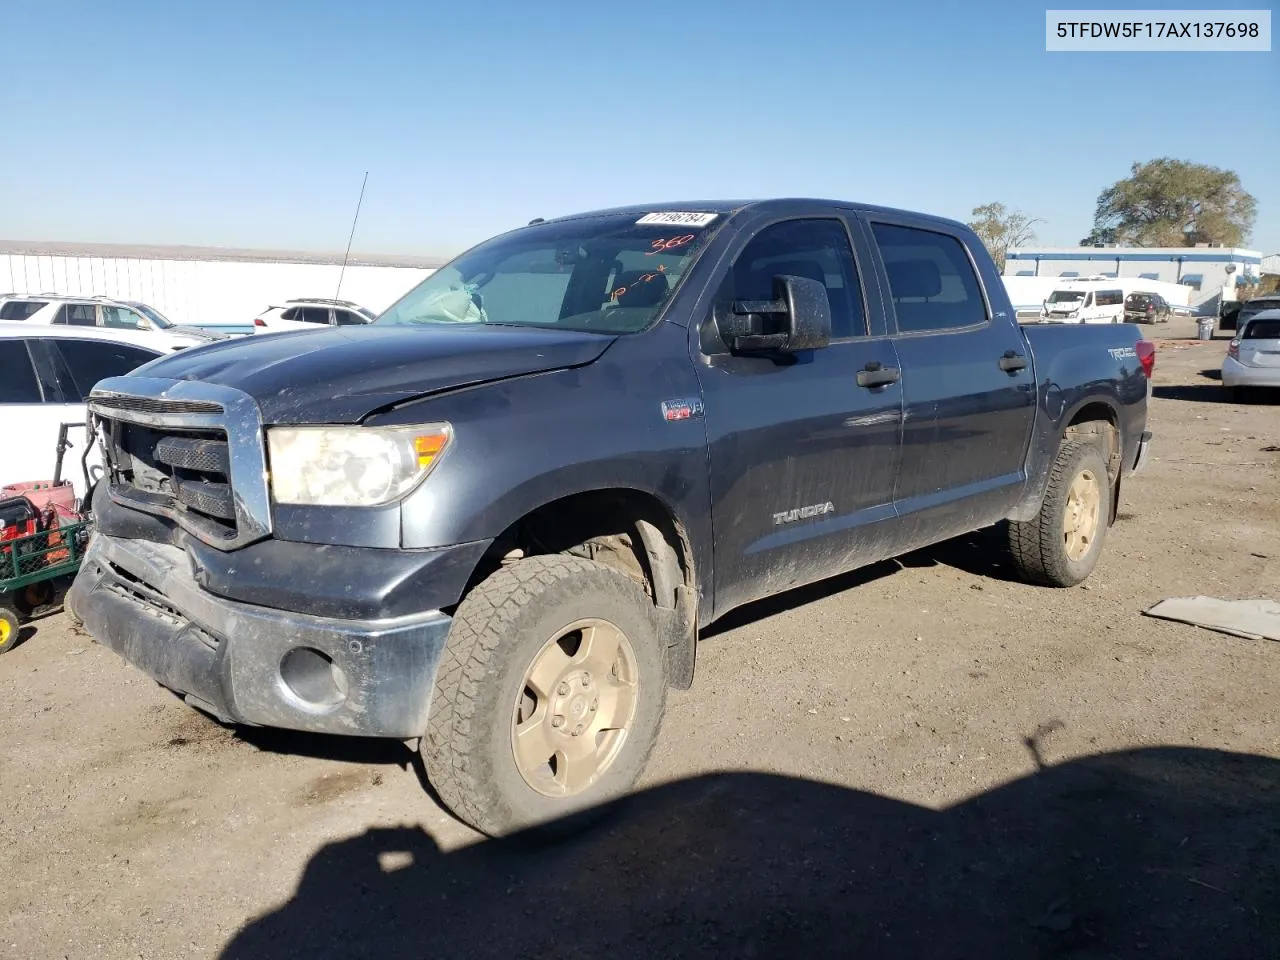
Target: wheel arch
x=629, y=529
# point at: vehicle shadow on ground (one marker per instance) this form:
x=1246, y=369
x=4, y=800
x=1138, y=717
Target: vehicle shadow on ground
x=983, y=553
x=1197, y=392
x=1167, y=852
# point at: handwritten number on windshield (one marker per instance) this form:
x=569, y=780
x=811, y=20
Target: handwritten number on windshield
x=663, y=245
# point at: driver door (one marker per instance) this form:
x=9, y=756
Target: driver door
x=803, y=458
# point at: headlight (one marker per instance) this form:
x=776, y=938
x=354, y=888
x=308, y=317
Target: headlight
x=352, y=466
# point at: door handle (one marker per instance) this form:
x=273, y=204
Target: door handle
x=874, y=374
x=1012, y=361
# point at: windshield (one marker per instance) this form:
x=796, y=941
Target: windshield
x=1065, y=296
x=602, y=274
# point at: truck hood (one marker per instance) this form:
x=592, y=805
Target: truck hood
x=342, y=374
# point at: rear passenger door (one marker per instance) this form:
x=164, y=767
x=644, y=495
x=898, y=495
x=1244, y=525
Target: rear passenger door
x=69, y=368
x=77, y=315
x=966, y=420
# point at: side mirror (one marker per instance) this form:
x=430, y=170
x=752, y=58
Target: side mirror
x=803, y=309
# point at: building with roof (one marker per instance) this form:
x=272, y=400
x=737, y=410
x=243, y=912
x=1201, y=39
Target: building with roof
x=1212, y=274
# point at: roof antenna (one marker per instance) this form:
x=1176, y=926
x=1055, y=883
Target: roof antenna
x=352, y=236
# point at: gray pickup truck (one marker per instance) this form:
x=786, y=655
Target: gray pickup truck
x=495, y=519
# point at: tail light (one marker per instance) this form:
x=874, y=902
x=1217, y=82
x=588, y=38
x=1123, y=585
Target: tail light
x=1233, y=349
x=259, y=322
x=1146, y=356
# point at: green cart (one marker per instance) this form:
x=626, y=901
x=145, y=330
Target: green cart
x=35, y=572
x=37, y=569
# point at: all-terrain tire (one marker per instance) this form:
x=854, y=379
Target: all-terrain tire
x=1039, y=545
x=500, y=627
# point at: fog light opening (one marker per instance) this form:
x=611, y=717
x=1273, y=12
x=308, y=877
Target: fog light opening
x=313, y=677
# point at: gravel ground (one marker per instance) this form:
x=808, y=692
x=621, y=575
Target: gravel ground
x=921, y=759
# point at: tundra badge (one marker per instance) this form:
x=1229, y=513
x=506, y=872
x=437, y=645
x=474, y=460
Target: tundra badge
x=803, y=513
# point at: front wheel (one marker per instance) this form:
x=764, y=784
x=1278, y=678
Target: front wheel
x=10, y=627
x=549, y=696
x=1060, y=546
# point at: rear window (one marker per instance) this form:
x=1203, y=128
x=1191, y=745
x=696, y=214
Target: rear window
x=19, y=309
x=1262, y=330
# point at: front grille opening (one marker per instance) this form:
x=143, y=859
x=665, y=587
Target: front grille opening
x=184, y=470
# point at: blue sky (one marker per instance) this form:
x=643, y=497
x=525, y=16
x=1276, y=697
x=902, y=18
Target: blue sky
x=251, y=123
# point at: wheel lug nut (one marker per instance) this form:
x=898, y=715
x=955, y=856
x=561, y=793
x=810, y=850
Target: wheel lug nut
x=586, y=680
x=577, y=730
x=564, y=690
x=557, y=721
x=594, y=704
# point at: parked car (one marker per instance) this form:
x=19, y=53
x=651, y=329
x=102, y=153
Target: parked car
x=110, y=314
x=310, y=314
x=1251, y=308
x=1083, y=305
x=1146, y=308
x=497, y=517
x=1252, y=362
x=45, y=375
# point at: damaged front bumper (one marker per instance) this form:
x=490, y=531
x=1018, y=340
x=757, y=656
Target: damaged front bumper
x=255, y=665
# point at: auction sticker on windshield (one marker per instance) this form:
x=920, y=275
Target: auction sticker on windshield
x=679, y=218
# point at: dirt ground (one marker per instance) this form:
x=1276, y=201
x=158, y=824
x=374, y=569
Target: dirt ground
x=921, y=759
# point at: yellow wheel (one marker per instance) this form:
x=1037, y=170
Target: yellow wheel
x=9, y=627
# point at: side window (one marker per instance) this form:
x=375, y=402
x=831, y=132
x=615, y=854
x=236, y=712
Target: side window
x=931, y=279
x=17, y=378
x=92, y=360
x=291, y=314
x=1192, y=280
x=1069, y=273
x=19, y=309
x=348, y=319
x=120, y=318
x=816, y=249
x=77, y=315
x=1110, y=298
x=314, y=315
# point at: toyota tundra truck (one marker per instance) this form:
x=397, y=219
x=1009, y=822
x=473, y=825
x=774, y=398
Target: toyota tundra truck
x=495, y=520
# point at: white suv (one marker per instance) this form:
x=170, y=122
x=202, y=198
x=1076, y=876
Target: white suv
x=309, y=314
x=100, y=312
x=45, y=374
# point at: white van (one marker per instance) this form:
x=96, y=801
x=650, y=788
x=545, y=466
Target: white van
x=1084, y=304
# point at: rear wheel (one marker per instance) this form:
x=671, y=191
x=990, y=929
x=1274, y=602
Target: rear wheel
x=1060, y=546
x=549, y=696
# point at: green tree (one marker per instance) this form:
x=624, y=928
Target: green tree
x=999, y=229
x=1174, y=203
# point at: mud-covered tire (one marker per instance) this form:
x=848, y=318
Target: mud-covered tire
x=501, y=627
x=10, y=628
x=1040, y=546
